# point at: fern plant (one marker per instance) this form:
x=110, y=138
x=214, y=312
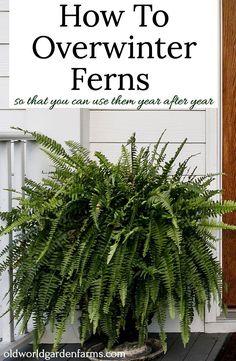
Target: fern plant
x=126, y=242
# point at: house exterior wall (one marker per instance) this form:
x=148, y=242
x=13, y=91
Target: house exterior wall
x=110, y=128
x=51, y=123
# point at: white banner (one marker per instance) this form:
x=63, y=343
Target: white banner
x=125, y=54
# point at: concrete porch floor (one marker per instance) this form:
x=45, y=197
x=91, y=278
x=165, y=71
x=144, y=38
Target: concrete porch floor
x=202, y=347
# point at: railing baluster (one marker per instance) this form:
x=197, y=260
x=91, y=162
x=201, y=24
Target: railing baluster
x=7, y=321
x=19, y=167
x=18, y=181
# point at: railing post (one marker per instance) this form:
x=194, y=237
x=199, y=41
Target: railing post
x=35, y=161
x=7, y=321
x=19, y=167
x=18, y=182
x=12, y=160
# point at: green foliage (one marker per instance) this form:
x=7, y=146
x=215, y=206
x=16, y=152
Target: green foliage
x=124, y=241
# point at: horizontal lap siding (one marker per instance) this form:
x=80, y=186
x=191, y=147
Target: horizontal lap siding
x=4, y=93
x=9, y=118
x=4, y=39
x=109, y=129
x=4, y=60
x=4, y=5
x=4, y=27
x=117, y=126
x=59, y=124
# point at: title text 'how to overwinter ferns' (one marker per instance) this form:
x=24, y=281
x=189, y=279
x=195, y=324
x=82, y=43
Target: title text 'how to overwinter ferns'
x=125, y=242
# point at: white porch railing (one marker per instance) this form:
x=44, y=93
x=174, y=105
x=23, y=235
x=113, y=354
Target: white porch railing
x=19, y=156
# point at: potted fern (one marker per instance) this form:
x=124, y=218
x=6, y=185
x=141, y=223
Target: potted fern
x=124, y=241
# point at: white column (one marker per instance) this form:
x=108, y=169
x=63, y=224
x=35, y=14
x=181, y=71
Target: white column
x=36, y=161
x=213, y=166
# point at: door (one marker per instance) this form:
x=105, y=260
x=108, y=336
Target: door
x=229, y=144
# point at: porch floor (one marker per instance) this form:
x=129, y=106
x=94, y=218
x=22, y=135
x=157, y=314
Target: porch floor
x=202, y=347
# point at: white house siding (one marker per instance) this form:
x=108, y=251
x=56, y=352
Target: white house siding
x=50, y=122
x=4, y=28
x=109, y=129
x=4, y=5
x=4, y=91
x=4, y=33
x=4, y=56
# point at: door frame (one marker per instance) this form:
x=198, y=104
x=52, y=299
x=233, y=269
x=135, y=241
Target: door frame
x=228, y=132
